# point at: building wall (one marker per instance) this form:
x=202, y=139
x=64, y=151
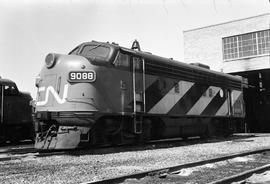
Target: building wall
x=204, y=45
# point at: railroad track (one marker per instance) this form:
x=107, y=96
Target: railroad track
x=21, y=151
x=241, y=177
x=20, y=155
x=174, y=174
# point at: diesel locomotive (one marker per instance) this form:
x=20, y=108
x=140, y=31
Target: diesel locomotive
x=105, y=94
x=16, y=122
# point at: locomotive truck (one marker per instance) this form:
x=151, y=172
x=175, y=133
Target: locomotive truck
x=104, y=94
x=16, y=121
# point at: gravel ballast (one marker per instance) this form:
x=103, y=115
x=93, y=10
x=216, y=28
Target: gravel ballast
x=94, y=167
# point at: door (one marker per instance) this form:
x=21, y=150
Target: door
x=2, y=113
x=138, y=67
x=1, y=104
x=14, y=106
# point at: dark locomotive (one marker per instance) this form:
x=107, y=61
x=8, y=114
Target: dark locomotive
x=16, y=121
x=102, y=93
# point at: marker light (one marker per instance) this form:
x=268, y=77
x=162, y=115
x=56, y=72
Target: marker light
x=50, y=60
x=38, y=80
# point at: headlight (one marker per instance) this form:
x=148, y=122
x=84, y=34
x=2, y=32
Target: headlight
x=50, y=60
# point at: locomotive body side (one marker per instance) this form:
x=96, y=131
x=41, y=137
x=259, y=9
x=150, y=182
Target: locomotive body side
x=194, y=101
x=105, y=94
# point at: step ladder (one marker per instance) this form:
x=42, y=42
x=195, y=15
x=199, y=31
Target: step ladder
x=138, y=70
x=139, y=109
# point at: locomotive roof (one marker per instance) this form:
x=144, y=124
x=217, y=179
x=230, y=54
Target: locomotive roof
x=166, y=61
x=170, y=64
x=6, y=82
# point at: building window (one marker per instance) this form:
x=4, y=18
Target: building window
x=250, y=44
x=230, y=48
x=264, y=42
x=247, y=45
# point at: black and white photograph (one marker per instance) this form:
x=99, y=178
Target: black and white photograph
x=134, y=91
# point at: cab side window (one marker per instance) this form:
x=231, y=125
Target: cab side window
x=10, y=91
x=122, y=60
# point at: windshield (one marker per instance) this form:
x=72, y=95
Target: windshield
x=97, y=53
x=74, y=51
x=95, y=50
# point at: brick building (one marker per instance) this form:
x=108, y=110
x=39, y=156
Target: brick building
x=240, y=47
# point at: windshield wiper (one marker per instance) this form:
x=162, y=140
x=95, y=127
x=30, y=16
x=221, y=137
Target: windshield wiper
x=94, y=47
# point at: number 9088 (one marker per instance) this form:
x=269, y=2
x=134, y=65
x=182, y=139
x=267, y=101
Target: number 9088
x=88, y=76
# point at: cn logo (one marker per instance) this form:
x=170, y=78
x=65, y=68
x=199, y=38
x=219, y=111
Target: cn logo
x=51, y=90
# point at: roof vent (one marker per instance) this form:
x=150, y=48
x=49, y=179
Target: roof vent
x=200, y=65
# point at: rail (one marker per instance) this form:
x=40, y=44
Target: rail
x=169, y=170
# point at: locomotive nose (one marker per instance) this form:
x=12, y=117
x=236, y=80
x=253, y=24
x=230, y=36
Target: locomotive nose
x=59, y=81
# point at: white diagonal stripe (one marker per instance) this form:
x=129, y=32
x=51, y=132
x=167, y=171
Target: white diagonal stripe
x=170, y=99
x=150, y=80
x=224, y=109
x=235, y=96
x=203, y=102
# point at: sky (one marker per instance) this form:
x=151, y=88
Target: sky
x=30, y=29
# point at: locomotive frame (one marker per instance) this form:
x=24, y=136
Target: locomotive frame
x=133, y=96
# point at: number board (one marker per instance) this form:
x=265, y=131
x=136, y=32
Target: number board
x=82, y=76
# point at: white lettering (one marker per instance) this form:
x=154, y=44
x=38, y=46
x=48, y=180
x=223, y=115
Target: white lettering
x=54, y=93
x=73, y=76
x=79, y=76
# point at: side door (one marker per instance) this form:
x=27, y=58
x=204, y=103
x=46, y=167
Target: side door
x=237, y=103
x=13, y=110
x=1, y=110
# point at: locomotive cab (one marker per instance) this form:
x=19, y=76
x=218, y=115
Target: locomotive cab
x=15, y=113
x=94, y=80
